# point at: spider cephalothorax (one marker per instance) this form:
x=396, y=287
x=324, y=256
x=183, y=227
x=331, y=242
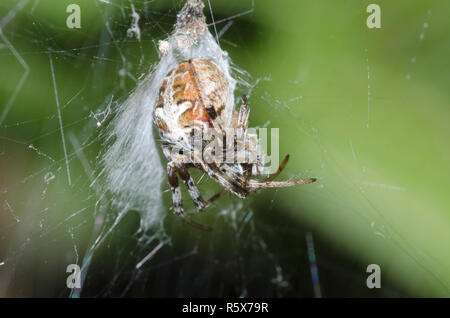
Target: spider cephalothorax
x=199, y=128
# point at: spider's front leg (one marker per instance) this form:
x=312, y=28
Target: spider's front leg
x=176, y=197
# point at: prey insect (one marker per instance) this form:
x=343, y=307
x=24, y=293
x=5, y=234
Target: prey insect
x=193, y=99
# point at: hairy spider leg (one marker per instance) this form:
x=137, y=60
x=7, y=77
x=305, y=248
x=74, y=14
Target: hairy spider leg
x=244, y=113
x=267, y=183
x=280, y=168
x=224, y=190
x=176, y=198
x=214, y=198
x=192, y=188
x=270, y=178
x=255, y=184
x=220, y=177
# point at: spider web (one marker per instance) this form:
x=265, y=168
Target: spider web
x=60, y=205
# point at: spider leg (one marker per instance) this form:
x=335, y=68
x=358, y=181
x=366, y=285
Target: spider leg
x=255, y=185
x=268, y=183
x=192, y=188
x=280, y=168
x=264, y=184
x=176, y=198
x=217, y=175
x=218, y=195
x=214, y=118
x=270, y=178
x=244, y=112
x=214, y=198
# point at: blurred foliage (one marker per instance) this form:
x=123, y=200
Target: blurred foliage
x=363, y=110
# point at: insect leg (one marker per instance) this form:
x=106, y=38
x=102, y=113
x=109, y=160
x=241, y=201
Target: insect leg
x=176, y=198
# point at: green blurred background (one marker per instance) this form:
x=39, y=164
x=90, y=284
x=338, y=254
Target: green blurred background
x=366, y=111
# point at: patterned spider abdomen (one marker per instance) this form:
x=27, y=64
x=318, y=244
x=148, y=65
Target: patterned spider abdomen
x=193, y=93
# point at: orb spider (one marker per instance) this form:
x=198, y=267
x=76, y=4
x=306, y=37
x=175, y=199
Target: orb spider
x=195, y=96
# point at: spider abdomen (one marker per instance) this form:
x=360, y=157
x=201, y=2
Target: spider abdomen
x=193, y=93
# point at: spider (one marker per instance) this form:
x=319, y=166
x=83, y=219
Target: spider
x=194, y=98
